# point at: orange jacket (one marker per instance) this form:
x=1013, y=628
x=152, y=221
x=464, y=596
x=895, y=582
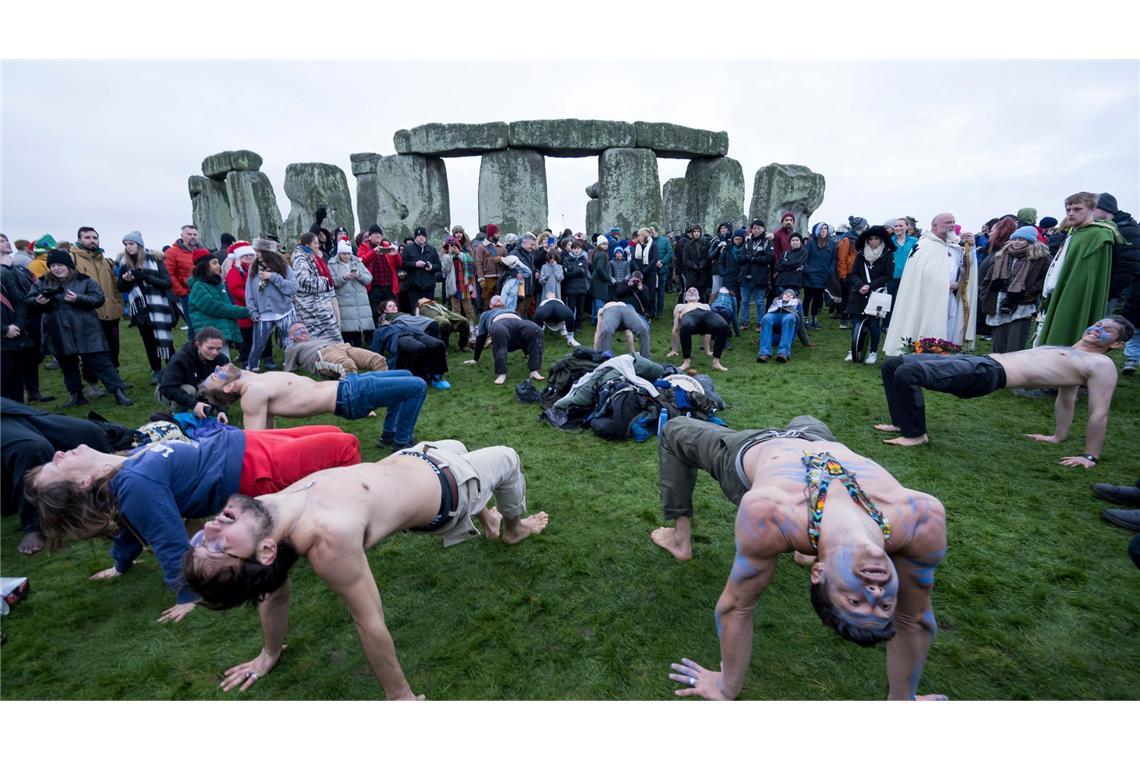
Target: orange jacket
x=180, y=263
x=845, y=257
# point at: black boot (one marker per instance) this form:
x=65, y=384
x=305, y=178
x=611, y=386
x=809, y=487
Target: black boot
x=121, y=398
x=40, y=397
x=77, y=399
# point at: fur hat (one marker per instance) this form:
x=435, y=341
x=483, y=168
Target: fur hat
x=58, y=256
x=265, y=245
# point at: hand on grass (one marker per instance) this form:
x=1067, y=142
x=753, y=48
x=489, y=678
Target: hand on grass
x=699, y=681
x=1078, y=462
x=176, y=613
x=248, y=673
x=110, y=572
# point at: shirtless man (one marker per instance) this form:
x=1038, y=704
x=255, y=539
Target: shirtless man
x=333, y=518
x=874, y=555
x=615, y=316
x=507, y=332
x=354, y=396
x=967, y=376
x=691, y=317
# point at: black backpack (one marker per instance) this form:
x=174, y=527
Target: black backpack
x=619, y=404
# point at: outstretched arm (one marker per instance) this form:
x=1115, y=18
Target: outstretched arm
x=274, y=614
x=1101, y=385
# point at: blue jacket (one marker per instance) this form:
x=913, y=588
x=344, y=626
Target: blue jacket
x=275, y=297
x=166, y=482
x=820, y=263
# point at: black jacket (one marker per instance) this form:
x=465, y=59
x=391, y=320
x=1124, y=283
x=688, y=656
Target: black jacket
x=187, y=368
x=15, y=283
x=789, y=268
x=70, y=327
x=1126, y=256
x=756, y=263
x=576, y=275
x=881, y=273
x=622, y=291
x=421, y=277
x=692, y=254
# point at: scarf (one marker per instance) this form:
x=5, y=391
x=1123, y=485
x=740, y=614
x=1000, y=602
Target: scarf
x=148, y=307
x=322, y=266
x=871, y=255
x=821, y=470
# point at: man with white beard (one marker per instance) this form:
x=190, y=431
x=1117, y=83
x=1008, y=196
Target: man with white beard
x=938, y=293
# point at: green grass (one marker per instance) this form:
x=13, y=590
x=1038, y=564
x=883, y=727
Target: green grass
x=1036, y=599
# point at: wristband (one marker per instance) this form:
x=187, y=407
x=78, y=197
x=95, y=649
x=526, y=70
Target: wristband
x=1091, y=458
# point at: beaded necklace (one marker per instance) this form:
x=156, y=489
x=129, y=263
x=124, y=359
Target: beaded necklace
x=818, y=482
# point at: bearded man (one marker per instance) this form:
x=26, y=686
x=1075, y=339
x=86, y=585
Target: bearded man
x=938, y=293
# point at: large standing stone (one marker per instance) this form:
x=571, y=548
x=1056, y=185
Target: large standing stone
x=593, y=214
x=444, y=140
x=673, y=141
x=512, y=191
x=210, y=210
x=714, y=193
x=630, y=189
x=594, y=190
x=219, y=165
x=786, y=187
x=401, y=193
x=570, y=138
x=673, y=205
x=308, y=186
x=253, y=205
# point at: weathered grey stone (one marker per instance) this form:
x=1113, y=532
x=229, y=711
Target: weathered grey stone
x=403, y=193
x=444, y=140
x=593, y=212
x=210, y=210
x=364, y=163
x=512, y=191
x=630, y=189
x=594, y=190
x=714, y=192
x=308, y=186
x=673, y=205
x=786, y=187
x=673, y=141
x=570, y=138
x=219, y=165
x=253, y=205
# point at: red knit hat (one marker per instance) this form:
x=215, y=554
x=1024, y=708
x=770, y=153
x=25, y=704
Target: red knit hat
x=492, y=229
x=788, y=215
x=201, y=253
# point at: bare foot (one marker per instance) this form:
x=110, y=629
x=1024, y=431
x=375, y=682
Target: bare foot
x=904, y=441
x=885, y=428
x=516, y=530
x=708, y=352
x=499, y=380
x=31, y=543
x=718, y=365
x=491, y=520
x=685, y=366
x=803, y=560
x=668, y=540
x=536, y=376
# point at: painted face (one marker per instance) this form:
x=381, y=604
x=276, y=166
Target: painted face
x=234, y=532
x=863, y=584
x=298, y=332
x=1102, y=334
x=73, y=466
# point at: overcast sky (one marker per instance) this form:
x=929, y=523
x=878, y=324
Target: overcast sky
x=111, y=144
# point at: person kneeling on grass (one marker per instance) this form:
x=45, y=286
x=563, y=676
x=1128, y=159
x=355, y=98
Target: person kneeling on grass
x=695, y=318
x=508, y=332
x=283, y=394
x=966, y=376
x=142, y=499
x=332, y=518
x=874, y=557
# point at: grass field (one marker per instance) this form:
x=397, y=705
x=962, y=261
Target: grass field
x=1036, y=599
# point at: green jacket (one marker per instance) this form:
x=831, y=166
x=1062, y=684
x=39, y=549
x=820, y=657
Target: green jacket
x=211, y=307
x=1081, y=293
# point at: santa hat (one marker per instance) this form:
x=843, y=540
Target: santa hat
x=240, y=248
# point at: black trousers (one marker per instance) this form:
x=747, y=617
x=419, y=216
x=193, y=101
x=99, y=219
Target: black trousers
x=580, y=304
x=19, y=372
x=111, y=333
x=513, y=335
x=422, y=355
x=813, y=301
x=100, y=365
x=415, y=294
x=701, y=322
x=904, y=378
x=30, y=441
x=151, y=346
x=553, y=312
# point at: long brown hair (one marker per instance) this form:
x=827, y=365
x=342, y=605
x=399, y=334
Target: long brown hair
x=1000, y=233
x=271, y=260
x=66, y=510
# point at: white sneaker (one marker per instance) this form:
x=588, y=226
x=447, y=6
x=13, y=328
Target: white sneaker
x=848, y=357
x=572, y=343
x=871, y=358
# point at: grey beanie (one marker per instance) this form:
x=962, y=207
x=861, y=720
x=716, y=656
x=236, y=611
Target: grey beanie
x=134, y=236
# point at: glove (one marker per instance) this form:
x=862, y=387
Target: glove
x=322, y=212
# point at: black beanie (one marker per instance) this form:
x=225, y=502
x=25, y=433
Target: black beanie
x=1107, y=202
x=1047, y=223
x=375, y=229
x=60, y=257
x=227, y=240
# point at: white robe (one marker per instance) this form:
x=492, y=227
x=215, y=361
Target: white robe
x=924, y=306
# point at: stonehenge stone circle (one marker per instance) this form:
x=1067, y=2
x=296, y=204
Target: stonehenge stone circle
x=673, y=141
x=714, y=193
x=210, y=210
x=593, y=215
x=570, y=138
x=402, y=192
x=308, y=186
x=786, y=187
x=673, y=211
x=630, y=189
x=253, y=205
x=594, y=190
x=512, y=190
x=219, y=165
x=445, y=140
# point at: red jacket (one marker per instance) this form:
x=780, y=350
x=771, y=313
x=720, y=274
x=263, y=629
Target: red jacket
x=235, y=284
x=180, y=263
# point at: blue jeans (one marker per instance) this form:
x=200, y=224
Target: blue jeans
x=184, y=307
x=1132, y=348
x=752, y=294
x=664, y=274
x=787, y=323
x=598, y=304
x=397, y=389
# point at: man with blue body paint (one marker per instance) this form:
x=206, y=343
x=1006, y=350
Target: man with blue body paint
x=874, y=556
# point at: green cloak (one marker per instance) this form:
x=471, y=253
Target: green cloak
x=1082, y=285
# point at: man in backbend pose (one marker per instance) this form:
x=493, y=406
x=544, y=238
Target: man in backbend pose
x=875, y=554
x=695, y=318
x=332, y=518
x=967, y=376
